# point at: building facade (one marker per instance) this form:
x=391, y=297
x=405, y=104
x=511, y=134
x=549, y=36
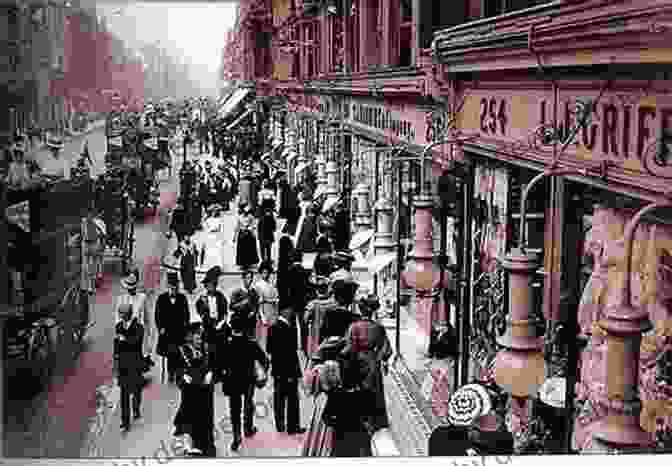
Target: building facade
x=33, y=55
x=479, y=134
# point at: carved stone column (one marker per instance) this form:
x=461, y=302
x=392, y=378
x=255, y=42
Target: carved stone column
x=362, y=210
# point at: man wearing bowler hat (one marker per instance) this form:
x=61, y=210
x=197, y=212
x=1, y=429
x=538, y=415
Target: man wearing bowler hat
x=172, y=319
x=212, y=306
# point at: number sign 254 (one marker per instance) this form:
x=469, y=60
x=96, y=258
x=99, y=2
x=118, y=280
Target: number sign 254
x=493, y=116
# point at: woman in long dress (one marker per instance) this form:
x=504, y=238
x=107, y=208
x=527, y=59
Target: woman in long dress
x=196, y=379
x=368, y=349
x=245, y=239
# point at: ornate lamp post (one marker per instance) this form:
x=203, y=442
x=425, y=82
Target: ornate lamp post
x=422, y=272
x=520, y=365
x=621, y=431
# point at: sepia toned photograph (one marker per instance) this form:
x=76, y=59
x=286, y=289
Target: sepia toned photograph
x=335, y=228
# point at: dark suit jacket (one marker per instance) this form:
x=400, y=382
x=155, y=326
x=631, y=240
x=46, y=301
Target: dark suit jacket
x=236, y=355
x=336, y=322
x=203, y=309
x=129, y=350
x=283, y=351
x=174, y=318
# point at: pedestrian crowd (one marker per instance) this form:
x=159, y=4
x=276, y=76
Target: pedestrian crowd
x=303, y=328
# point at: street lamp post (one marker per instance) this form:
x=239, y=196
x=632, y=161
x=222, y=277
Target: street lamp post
x=421, y=271
x=624, y=324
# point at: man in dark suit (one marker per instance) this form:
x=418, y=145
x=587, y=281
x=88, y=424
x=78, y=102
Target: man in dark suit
x=236, y=359
x=129, y=336
x=245, y=302
x=286, y=371
x=212, y=307
x=172, y=318
x=298, y=295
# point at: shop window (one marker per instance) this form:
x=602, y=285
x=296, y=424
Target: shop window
x=499, y=7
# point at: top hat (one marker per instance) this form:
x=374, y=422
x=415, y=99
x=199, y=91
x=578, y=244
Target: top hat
x=173, y=279
x=212, y=275
x=130, y=282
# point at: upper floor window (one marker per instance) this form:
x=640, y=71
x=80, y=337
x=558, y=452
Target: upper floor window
x=406, y=33
x=500, y=7
x=437, y=14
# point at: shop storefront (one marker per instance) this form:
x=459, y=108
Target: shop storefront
x=588, y=155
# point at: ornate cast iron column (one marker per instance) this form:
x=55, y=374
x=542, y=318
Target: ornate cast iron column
x=332, y=180
x=362, y=209
x=384, y=237
x=625, y=324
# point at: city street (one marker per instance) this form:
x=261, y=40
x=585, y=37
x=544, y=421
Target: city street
x=151, y=436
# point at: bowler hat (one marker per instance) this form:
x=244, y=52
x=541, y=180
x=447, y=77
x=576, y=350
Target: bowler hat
x=212, y=275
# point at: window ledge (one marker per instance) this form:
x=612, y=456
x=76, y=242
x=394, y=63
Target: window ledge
x=563, y=33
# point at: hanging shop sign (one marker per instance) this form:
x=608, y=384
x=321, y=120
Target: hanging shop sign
x=630, y=131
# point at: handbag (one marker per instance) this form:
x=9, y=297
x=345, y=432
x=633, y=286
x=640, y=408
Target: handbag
x=260, y=375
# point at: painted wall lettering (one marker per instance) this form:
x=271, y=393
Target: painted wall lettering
x=493, y=116
x=382, y=119
x=611, y=131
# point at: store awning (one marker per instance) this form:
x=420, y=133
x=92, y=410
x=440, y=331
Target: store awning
x=239, y=119
x=232, y=102
x=360, y=239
